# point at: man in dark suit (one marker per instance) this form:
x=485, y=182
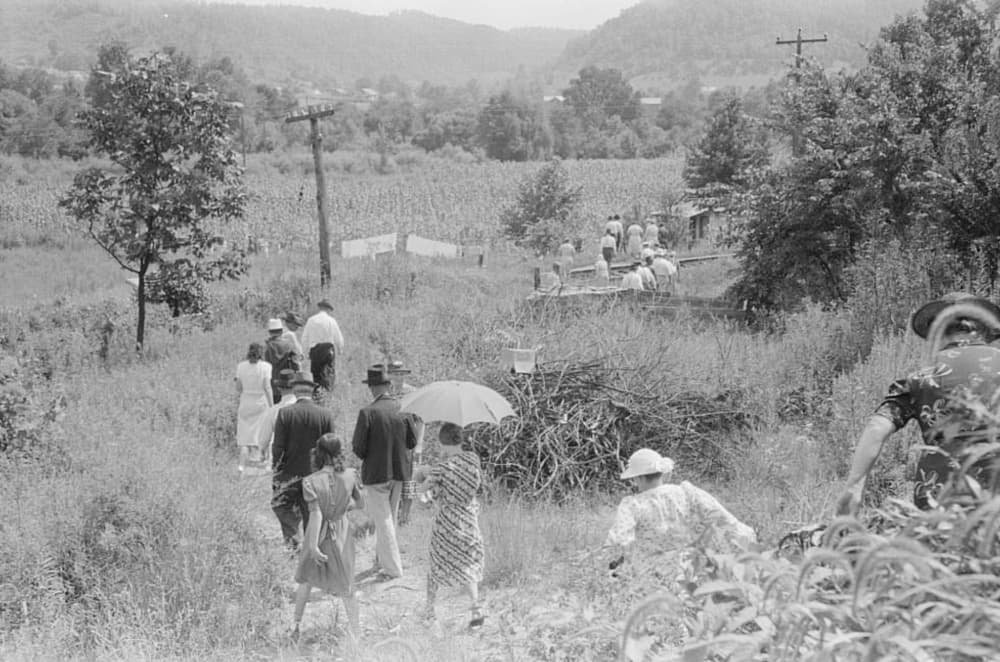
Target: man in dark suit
x=297, y=427
x=382, y=439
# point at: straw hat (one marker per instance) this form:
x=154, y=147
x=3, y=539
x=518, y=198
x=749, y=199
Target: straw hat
x=647, y=461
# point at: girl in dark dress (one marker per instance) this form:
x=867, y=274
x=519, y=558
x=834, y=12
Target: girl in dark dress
x=327, y=557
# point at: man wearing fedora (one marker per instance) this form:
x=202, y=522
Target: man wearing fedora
x=943, y=398
x=297, y=427
x=382, y=440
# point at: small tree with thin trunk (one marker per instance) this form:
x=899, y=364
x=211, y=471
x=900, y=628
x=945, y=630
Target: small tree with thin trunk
x=175, y=180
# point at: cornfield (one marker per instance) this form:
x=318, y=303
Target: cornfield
x=440, y=200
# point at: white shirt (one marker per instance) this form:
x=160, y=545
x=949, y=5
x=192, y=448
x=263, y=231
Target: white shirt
x=608, y=241
x=632, y=281
x=663, y=267
x=652, y=233
x=321, y=327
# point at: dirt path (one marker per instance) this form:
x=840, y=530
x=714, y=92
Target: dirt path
x=391, y=623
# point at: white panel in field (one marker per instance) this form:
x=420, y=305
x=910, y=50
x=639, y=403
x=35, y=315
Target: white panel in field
x=369, y=247
x=429, y=247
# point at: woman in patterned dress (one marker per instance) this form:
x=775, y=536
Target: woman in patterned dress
x=654, y=526
x=456, y=547
x=327, y=557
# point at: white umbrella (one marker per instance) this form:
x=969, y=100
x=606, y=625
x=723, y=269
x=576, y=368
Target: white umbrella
x=457, y=402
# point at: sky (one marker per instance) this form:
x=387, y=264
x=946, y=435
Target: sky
x=503, y=14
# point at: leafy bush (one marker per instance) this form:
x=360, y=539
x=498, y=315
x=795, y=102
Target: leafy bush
x=543, y=213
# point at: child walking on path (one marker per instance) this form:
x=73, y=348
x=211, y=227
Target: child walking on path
x=456, y=546
x=327, y=557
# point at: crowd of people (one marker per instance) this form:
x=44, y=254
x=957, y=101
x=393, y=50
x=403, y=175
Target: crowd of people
x=284, y=419
x=285, y=422
x=651, y=266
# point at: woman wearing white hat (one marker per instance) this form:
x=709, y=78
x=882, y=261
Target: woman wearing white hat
x=663, y=518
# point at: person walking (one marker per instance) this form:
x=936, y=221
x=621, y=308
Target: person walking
x=279, y=353
x=297, y=428
x=651, y=235
x=253, y=384
x=284, y=384
x=456, y=547
x=382, y=437
x=326, y=560
x=615, y=225
x=608, y=244
x=947, y=399
x=634, y=234
x=322, y=328
x=292, y=324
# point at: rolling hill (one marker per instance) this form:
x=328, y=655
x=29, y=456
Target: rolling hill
x=660, y=43
x=276, y=44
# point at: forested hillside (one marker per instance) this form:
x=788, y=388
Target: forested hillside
x=662, y=41
x=277, y=44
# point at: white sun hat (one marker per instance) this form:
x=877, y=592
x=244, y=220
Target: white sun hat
x=274, y=324
x=647, y=461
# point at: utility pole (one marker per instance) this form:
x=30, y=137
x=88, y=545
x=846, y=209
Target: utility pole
x=314, y=114
x=798, y=41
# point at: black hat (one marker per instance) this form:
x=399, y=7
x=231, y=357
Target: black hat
x=292, y=318
x=301, y=379
x=285, y=378
x=925, y=316
x=325, y=303
x=377, y=375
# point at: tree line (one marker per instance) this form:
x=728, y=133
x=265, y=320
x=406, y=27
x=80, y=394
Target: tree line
x=598, y=115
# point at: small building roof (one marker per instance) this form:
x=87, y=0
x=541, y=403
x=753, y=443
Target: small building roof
x=690, y=210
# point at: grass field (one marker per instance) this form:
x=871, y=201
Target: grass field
x=129, y=535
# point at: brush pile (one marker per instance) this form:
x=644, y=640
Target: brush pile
x=578, y=422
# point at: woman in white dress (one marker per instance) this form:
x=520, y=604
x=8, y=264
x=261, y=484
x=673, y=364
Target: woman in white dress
x=253, y=383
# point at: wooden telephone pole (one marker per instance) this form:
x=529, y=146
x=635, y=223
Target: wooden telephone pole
x=798, y=41
x=314, y=114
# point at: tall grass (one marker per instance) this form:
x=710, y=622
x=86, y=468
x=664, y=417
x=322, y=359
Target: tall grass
x=137, y=540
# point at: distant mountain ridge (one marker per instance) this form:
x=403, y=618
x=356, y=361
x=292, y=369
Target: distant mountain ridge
x=276, y=44
x=671, y=40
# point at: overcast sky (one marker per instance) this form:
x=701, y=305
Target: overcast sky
x=504, y=14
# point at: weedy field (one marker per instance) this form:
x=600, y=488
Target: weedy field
x=128, y=533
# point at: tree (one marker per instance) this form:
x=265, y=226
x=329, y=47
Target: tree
x=901, y=151
x=513, y=130
x=175, y=181
x=729, y=148
x=597, y=94
x=542, y=216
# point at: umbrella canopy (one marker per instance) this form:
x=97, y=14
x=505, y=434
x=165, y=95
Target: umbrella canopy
x=456, y=402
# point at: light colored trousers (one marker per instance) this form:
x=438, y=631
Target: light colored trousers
x=382, y=503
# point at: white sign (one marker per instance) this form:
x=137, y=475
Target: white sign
x=429, y=247
x=369, y=247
